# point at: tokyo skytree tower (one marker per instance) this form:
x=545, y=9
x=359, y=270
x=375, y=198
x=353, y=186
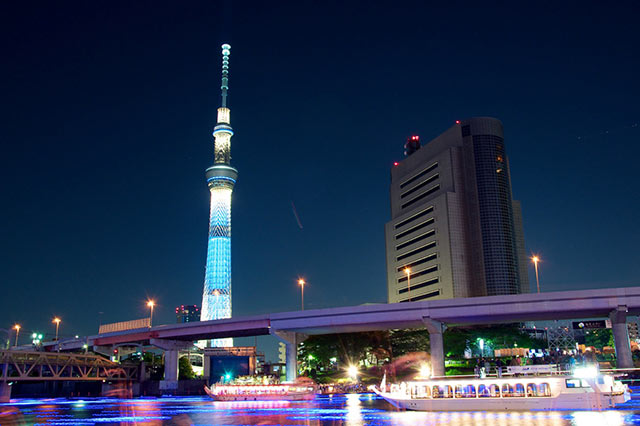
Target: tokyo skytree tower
x=221, y=177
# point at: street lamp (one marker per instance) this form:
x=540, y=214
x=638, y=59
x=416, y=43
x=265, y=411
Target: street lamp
x=57, y=321
x=535, y=260
x=408, y=272
x=301, y=283
x=353, y=372
x=151, y=304
x=17, y=329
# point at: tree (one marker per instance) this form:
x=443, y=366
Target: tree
x=185, y=372
x=599, y=338
x=408, y=341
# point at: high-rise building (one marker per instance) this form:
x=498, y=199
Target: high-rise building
x=187, y=313
x=221, y=178
x=455, y=230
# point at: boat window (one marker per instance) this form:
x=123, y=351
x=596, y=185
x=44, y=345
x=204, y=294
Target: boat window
x=494, y=391
x=488, y=391
x=421, y=392
x=468, y=391
x=507, y=390
x=442, y=392
x=519, y=390
x=577, y=383
x=544, y=389
x=532, y=390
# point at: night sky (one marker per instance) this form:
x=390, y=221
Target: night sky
x=107, y=111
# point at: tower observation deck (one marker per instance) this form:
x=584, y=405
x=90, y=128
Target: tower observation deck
x=221, y=178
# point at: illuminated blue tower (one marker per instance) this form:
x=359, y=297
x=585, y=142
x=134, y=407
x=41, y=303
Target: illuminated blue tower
x=221, y=177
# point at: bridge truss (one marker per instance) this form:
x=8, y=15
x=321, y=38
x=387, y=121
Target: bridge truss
x=48, y=366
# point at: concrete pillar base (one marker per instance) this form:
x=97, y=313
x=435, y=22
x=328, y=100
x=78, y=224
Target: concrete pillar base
x=171, y=355
x=5, y=392
x=436, y=328
x=169, y=385
x=291, y=339
x=621, y=337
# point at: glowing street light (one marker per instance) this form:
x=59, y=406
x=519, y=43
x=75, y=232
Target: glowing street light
x=151, y=304
x=535, y=260
x=407, y=271
x=352, y=371
x=57, y=322
x=301, y=283
x=17, y=329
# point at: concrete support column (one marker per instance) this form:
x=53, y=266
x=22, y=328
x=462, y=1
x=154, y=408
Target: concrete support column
x=171, y=355
x=621, y=337
x=291, y=339
x=436, y=328
x=171, y=366
x=5, y=392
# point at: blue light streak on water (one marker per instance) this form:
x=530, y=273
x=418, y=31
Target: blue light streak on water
x=337, y=410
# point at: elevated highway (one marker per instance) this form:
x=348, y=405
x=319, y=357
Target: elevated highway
x=435, y=315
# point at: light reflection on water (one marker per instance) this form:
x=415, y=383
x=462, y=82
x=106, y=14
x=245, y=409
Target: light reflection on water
x=338, y=410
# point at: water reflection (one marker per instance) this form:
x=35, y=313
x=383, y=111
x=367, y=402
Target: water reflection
x=337, y=410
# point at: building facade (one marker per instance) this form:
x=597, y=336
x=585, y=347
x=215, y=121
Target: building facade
x=187, y=313
x=221, y=179
x=455, y=230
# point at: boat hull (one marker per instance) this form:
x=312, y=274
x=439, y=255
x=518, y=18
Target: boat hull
x=289, y=396
x=585, y=401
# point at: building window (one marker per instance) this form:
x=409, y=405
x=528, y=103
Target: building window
x=466, y=130
x=416, y=251
x=418, y=262
x=419, y=175
x=420, y=185
x=419, y=274
x=421, y=196
x=417, y=239
x=422, y=297
x=415, y=228
x=415, y=217
x=419, y=286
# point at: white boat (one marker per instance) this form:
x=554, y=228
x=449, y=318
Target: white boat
x=590, y=392
x=280, y=392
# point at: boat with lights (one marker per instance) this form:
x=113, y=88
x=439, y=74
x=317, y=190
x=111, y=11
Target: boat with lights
x=280, y=392
x=590, y=391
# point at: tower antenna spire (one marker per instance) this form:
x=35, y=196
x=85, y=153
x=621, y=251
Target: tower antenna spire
x=226, y=51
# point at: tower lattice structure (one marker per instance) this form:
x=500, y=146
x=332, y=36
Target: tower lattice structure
x=221, y=178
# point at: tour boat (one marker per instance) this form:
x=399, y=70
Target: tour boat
x=590, y=391
x=280, y=392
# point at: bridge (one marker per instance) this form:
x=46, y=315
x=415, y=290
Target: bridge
x=20, y=366
x=435, y=315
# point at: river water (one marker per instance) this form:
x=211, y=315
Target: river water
x=337, y=410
